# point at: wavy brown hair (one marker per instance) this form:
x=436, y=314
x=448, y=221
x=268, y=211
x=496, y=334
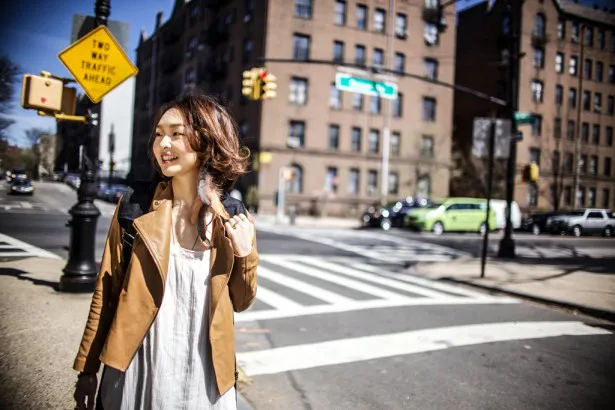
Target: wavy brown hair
x=212, y=133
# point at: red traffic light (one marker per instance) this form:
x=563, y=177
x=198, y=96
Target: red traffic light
x=263, y=74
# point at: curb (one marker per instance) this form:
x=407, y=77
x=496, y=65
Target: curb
x=604, y=314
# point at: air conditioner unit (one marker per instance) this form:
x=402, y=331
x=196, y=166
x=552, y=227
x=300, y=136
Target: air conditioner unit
x=597, y=108
x=293, y=142
x=401, y=34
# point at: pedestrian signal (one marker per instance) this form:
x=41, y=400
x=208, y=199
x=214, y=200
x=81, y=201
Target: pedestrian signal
x=42, y=93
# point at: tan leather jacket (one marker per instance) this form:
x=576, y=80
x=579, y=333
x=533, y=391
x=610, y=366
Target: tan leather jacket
x=125, y=304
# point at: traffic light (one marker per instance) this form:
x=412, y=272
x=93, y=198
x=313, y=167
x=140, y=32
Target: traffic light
x=267, y=85
x=251, y=84
x=530, y=173
x=42, y=93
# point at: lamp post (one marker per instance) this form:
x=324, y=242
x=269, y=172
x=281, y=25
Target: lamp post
x=80, y=272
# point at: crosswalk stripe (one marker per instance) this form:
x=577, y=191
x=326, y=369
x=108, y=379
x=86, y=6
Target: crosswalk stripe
x=329, y=277
x=26, y=248
x=26, y=205
x=275, y=300
x=302, y=286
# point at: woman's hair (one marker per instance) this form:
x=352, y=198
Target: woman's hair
x=212, y=133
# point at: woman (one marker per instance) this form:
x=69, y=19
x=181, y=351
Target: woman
x=164, y=328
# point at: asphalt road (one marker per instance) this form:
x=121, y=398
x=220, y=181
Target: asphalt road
x=336, y=325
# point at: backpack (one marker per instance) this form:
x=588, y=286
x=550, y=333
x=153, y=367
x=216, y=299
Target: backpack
x=136, y=202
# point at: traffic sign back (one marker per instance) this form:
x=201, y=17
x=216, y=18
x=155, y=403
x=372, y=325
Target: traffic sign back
x=98, y=63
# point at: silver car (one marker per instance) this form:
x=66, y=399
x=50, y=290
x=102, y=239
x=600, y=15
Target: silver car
x=583, y=222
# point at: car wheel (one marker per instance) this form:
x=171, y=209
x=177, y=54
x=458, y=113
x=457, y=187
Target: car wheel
x=482, y=230
x=608, y=231
x=438, y=228
x=385, y=224
x=535, y=229
x=577, y=231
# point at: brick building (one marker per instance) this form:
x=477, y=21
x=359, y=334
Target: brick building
x=333, y=139
x=567, y=78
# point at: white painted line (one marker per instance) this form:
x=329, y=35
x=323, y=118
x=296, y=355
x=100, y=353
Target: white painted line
x=290, y=358
x=275, y=300
x=28, y=249
x=342, y=281
x=364, y=305
x=426, y=282
x=26, y=205
x=375, y=279
x=7, y=247
x=303, y=287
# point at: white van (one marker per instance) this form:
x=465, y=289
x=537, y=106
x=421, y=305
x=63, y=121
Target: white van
x=499, y=208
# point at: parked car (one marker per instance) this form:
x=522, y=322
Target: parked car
x=583, y=222
x=499, y=208
x=453, y=215
x=21, y=186
x=393, y=214
x=537, y=223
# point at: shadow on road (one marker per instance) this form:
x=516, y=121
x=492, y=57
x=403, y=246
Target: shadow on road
x=569, y=265
x=20, y=274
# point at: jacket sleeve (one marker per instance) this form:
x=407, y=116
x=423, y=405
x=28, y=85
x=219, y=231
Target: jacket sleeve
x=102, y=307
x=242, y=284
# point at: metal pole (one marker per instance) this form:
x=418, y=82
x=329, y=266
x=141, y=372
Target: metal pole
x=388, y=108
x=507, y=244
x=81, y=271
x=483, y=258
x=577, y=143
x=281, y=196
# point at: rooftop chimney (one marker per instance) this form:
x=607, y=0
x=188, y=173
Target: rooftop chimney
x=158, y=20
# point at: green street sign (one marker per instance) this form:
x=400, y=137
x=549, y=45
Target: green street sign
x=524, y=117
x=347, y=82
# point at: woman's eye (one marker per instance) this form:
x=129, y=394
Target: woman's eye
x=178, y=133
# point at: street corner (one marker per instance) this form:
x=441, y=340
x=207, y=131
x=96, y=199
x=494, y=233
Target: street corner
x=463, y=267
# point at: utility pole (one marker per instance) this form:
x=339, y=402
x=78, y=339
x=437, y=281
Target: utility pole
x=388, y=111
x=577, y=143
x=111, y=152
x=507, y=243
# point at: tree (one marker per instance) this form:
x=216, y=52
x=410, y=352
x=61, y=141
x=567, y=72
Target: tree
x=33, y=135
x=8, y=77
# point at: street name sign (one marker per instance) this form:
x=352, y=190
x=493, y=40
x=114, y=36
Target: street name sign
x=524, y=117
x=98, y=63
x=346, y=82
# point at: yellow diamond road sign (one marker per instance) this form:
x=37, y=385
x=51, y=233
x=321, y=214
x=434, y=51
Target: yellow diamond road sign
x=98, y=63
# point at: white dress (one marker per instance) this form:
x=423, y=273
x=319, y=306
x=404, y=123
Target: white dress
x=173, y=368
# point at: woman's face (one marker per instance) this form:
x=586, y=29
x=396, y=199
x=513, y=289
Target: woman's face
x=174, y=154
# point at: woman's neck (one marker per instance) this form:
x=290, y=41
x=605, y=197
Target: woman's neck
x=185, y=189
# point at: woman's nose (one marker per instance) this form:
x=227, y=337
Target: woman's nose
x=165, y=142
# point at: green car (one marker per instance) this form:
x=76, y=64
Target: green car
x=453, y=215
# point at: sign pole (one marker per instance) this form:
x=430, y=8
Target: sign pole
x=281, y=196
x=483, y=258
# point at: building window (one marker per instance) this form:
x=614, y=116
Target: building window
x=569, y=162
x=610, y=105
x=429, y=109
x=359, y=54
x=393, y=183
x=301, y=47
x=298, y=91
x=589, y=36
x=249, y=11
x=583, y=164
x=535, y=156
x=596, y=134
x=506, y=24
x=537, y=91
x=372, y=182
x=401, y=25
x=598, y=103
x=537, y=126
x=373, y=142
x=423, y=186
x=592, y=199
x=567, y=195
x=532, y=195
x=593, y=165
x=612, y=72
x=191, y=47
x=609, y=136
x=357, y=101
x=379, y=18
x=606, y=198
x=398, y=106
x=561, y=29
x=557, y=127
x=600, y=39
x=607, y=166
x=431, y=34
x=375, y=105
x=559, y=63
x=338, y=51
x=539, y=25
x=599, y=71
x=335, y=98
x=247, y=51
x=331, y=179
x=581, y=196
x=570, y=130
x=559, y=94
x=431, y=68
x=355, y=139
x=296, y=134
x=587, y=100
x=400, y=62
x=587, y=69
x=572, y=66
x=194, y=15
x=353, y=182
x=585, y=132
x=539, y=57
x=361, y=17
x=189, y=77
x=574, y=35
x=427, y=146
x=340, y=12
x=555, y=160
x=395, y=143
x=334, y=136
x=295, y=186
x=572, y=97
x=378, y=57
x=303, y=8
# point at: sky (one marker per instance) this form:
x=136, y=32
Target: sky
x=34, y=38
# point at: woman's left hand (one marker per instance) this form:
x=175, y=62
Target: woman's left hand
x=241, y=232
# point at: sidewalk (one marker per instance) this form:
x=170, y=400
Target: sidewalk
x=40, y=332
x=584, y=285
x=308, y=221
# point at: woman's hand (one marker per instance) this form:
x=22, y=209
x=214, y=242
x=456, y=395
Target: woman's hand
x=241, y=232
x=85, y=391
